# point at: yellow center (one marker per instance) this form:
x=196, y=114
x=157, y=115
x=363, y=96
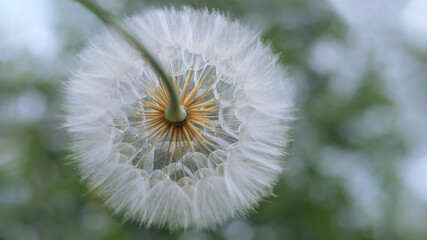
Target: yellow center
x=188, y=135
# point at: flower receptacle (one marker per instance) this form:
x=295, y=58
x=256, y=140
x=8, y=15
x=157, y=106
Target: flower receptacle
x=176, y=114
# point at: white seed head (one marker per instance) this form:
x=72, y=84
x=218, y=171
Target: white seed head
x=215, y=165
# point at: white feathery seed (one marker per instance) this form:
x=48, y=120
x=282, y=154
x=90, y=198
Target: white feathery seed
x=216, y=165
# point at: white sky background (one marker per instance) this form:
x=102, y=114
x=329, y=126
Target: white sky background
x=415, y=19
x=27, y=25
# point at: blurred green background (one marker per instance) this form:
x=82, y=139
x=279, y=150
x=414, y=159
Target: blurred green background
x=357, y=168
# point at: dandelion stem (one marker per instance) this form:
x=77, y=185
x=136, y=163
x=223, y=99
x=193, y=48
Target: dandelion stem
x=175, y=112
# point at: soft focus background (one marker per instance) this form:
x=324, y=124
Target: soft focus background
x=357, y=167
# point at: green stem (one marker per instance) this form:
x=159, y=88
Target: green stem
x=175, y=113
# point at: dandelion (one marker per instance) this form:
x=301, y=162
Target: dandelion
x=217, y=159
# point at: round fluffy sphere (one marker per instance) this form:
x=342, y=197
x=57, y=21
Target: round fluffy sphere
x=217, y=164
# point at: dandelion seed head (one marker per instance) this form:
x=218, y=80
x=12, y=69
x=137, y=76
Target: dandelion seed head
x=217, y=163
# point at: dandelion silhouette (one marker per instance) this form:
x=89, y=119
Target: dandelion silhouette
x=215, y=163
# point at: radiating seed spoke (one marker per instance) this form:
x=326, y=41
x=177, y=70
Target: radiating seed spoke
x=186, y=137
